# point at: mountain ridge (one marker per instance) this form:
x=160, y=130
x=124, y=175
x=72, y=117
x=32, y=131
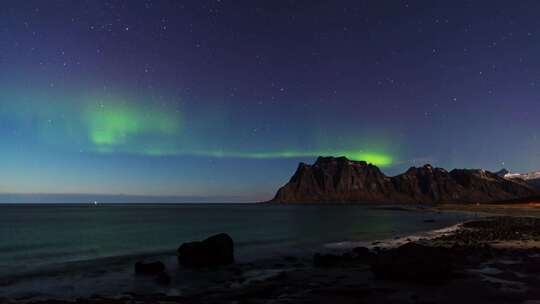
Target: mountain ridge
x=530, y=178
x=338, y=179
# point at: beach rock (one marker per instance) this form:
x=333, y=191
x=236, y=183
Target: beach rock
x=217, y=250
x=333, y=260
x=496, y=229
x=163, y=278
x=237, y=271
x=326, y=260
x=363, y=253
x=149, y=268
x=290, y=258
x=414, y=263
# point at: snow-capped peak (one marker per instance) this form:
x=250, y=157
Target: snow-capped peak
x=523, y=176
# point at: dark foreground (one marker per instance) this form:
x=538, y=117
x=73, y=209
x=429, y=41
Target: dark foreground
x=493, y=260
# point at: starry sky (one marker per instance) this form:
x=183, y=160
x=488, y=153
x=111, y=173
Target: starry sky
x=223, y=98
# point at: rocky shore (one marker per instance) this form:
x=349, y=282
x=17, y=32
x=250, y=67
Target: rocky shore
x=490, y=260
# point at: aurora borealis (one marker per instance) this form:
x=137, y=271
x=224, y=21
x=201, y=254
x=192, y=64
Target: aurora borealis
x=117, y=126
x=224, y=98
x=112, y=127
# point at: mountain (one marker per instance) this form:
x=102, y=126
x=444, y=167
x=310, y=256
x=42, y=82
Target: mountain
x=502, y=172
x=535, y=183
x=338, y=179
x=531, y=178
x=523, y=176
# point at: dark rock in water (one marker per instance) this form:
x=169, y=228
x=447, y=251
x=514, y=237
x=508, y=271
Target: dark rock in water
x=150, y=268
x=429, y=221
x=363, y=253
x=326, y=260
x=216, y=250
x=237, y=271
x=414, y=263
x=359, y=255
x=290, y=258
x=338, y=179
x=163, y=279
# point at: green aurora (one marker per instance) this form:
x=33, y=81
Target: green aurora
x=115, y=126
x=120, y=128
x=378, y=159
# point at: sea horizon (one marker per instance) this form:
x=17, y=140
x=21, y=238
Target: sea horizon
x=268, y=152
x=89, y=198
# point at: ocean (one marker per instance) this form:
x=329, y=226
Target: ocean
x=48, y=240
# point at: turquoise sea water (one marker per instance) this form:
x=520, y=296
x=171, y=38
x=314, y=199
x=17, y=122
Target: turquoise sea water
x=40, y=237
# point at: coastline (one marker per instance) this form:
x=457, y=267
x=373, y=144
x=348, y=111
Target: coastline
x=494, y=272
x=503, y=208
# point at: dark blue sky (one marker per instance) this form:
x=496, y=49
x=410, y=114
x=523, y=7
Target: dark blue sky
x=224, y=98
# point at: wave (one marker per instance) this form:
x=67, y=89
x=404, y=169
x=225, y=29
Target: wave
x=26, y=247
x=15, y=273
x=264, y=242
x=396, y=241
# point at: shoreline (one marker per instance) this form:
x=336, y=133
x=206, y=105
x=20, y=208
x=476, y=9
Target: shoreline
x=397, y=241
x=467, y=264
x=32, y=286
x=344, y=272
x=527, y=209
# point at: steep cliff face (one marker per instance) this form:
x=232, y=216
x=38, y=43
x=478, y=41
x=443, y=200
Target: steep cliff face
x=425, y=185
x=341, y=180
x=335, y=179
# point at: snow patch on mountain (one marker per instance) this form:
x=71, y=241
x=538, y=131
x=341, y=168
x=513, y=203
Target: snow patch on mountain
x=523, y=176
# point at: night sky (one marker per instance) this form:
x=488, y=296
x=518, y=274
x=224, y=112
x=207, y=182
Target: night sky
x=224, y=98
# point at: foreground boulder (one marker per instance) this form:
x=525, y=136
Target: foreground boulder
x=414, y=263
x=163, y=279
x=217, y=250
x=151, y=268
